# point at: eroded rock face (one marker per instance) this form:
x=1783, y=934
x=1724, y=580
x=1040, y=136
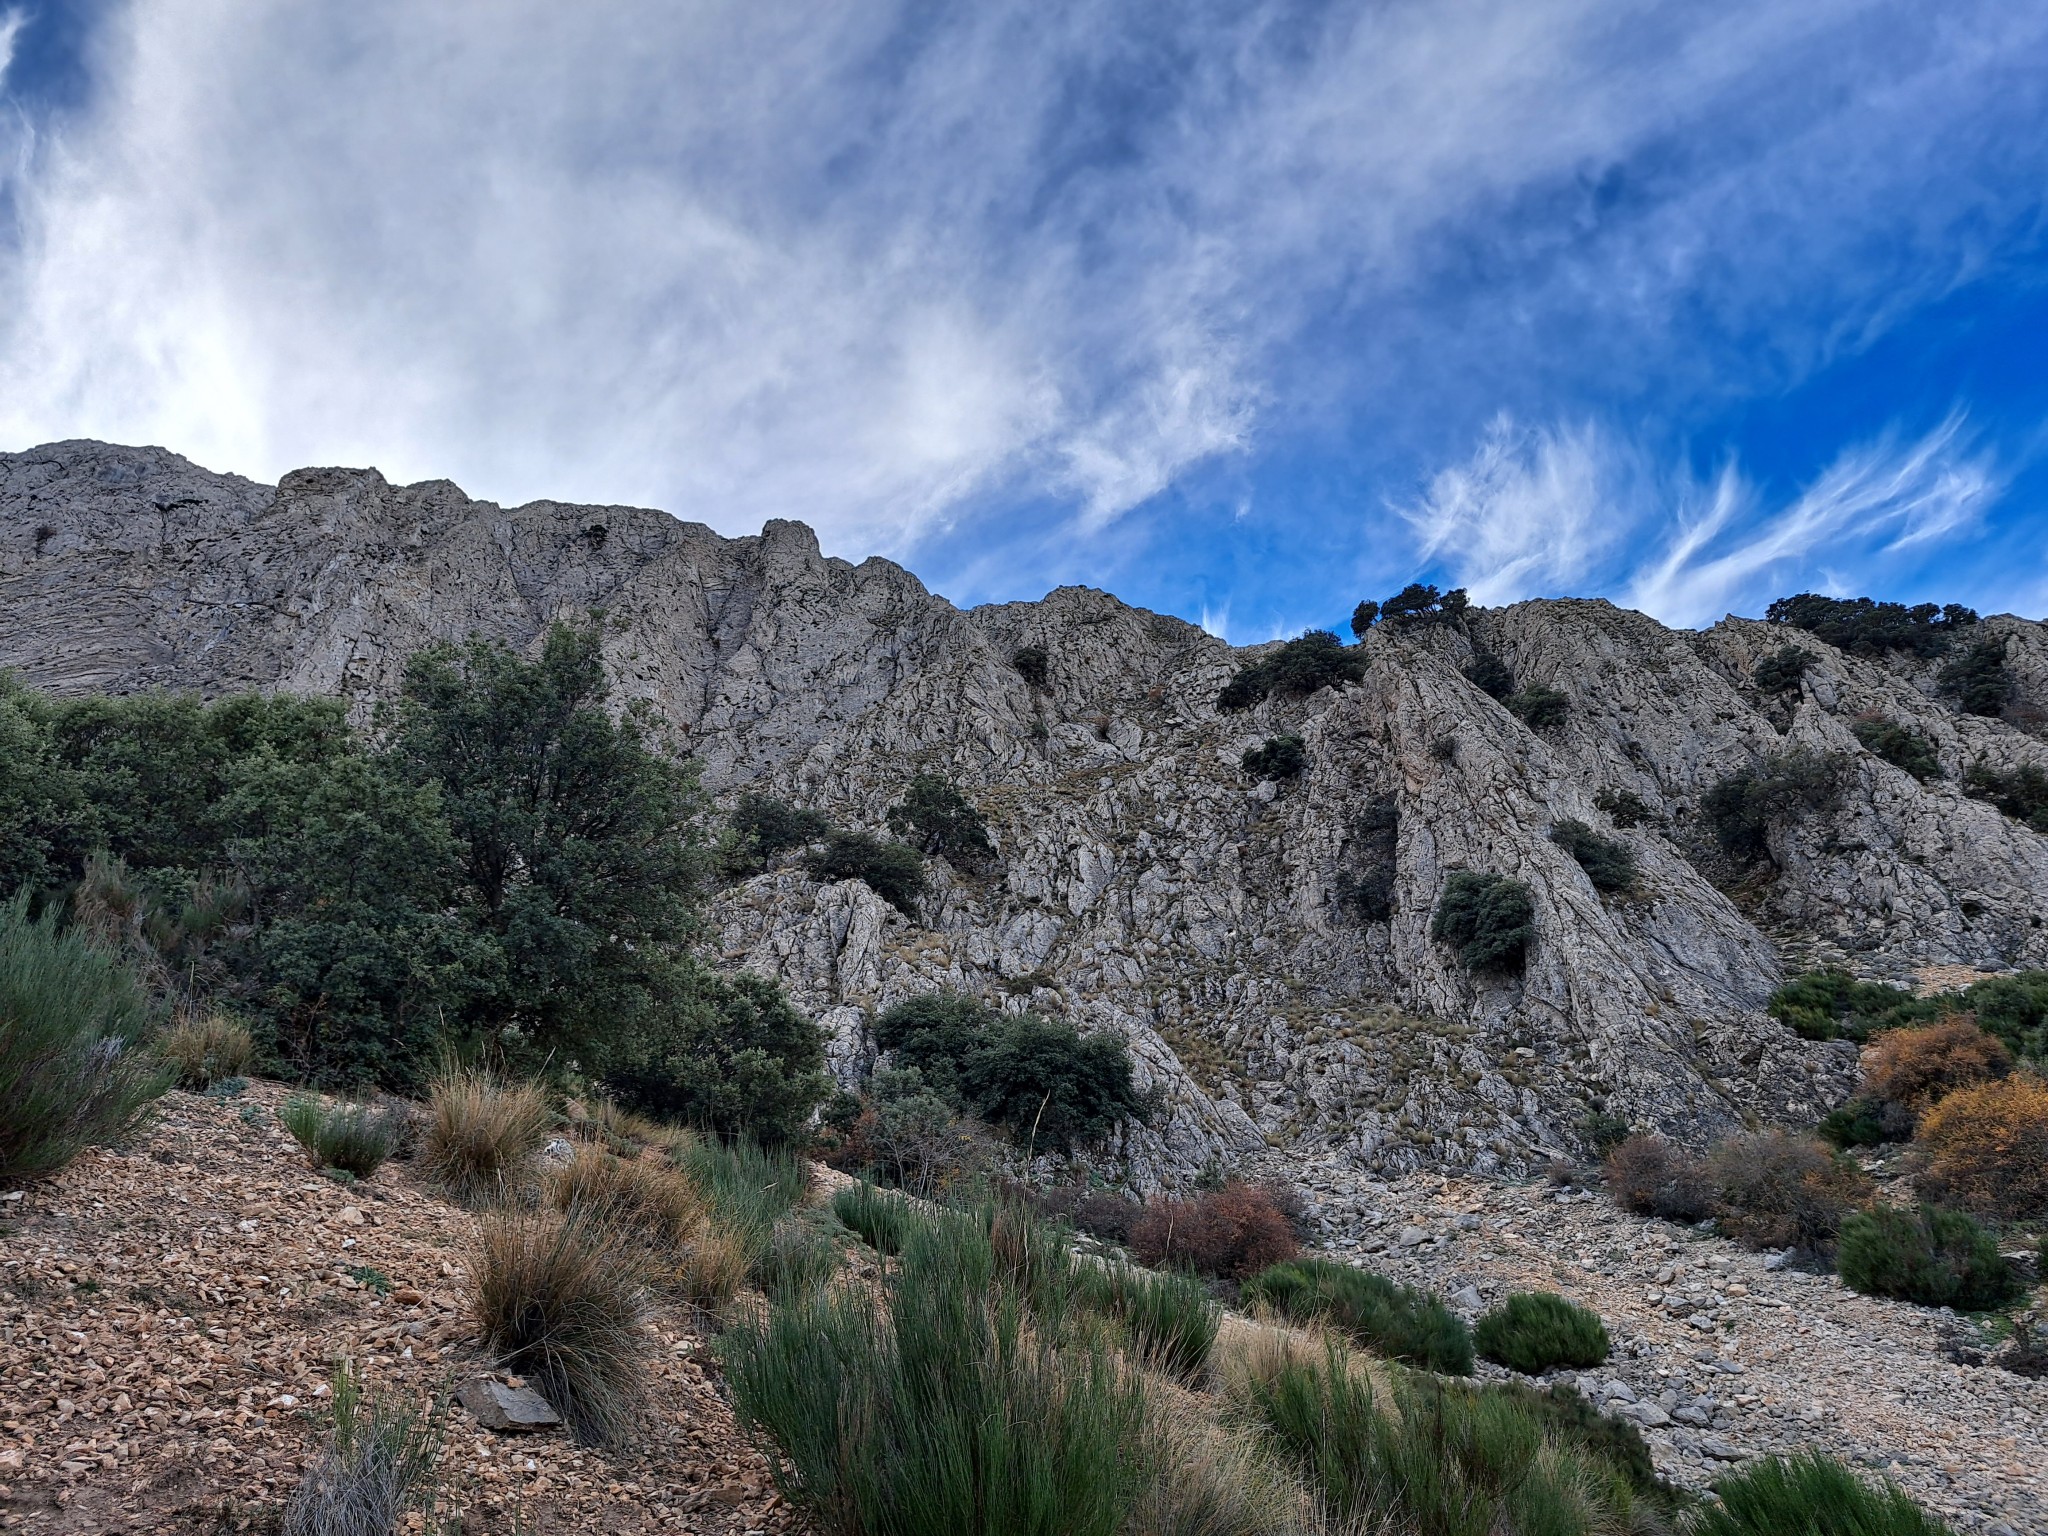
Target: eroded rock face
x=1145, y=885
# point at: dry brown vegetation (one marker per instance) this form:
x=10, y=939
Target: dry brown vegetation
x=1232, y=1233
x=1916, y=1068
x=481, y=1135
x=1987, y=1148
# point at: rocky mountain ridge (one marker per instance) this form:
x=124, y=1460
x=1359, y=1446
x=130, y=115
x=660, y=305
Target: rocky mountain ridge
x=1144, y=884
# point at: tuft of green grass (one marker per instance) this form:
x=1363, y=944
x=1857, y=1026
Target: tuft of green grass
x=1536, y=1331
x=378, y=1466
x=749, y=1190
x=1399, y=1322
x=354, y=1138
x=1814, y=1496
x=880, y=1219
x=1171, y=1318
x=803, y=1259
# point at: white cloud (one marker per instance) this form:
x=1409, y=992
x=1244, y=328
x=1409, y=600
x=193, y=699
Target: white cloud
x=877, y=267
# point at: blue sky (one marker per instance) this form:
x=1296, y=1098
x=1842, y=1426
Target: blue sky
x=1240, y=310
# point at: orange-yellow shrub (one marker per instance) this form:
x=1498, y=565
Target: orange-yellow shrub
x=1917, y=1068
x=1987, y=1148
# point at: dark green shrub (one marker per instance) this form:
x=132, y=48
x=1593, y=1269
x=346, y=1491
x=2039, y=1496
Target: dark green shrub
x=1034, y=665
x=892, y=870
x=1980, y=679
x=1363, y=617
x=1282, y=757
x=1781, y=671
x=1397, y=1321
x=73, y=1070
x=1827, y=1005
x=1418, y=603
x=1608, y=862
x=1040, y=1079
x=2021, y=793
x=1865, y=1122
x=1490, y=675
x=1775, y=1189
x=1539, y=707
x=1375, y=840
x=959, y=1402
x=728, y=1054
x=356, y=1138
x=1900, y=745
x=1443, y=1458
x=2012, y=1007
x=1300, y=667
x=763, y=826
x=1744, y=807
x=1624, y=807
x=1489, y=919
x=1649, y=1176
x=1537, y=1331
x=1866, y=628
x=1603, y=1132
x=935, y=818
x=1932, y=1256
x=1576, y=1423
x=1812, y=1496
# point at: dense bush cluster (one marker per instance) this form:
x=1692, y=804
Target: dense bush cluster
x=1772, y=1189
x=508, y=865
x=1318, y=659
x=1490, y=675
x=1034, y=665
x=1608, y=862
x=1375, y=841
x=1743, y=808
x=1979, y=679
x=1039, y=1079
x=1490, y=920
x=1824, y=1005
x=2021, y=793
x=1867, y=628
x=762, y=827
x=1900, y=745
x=1931, y=1256
x=1649, y=1176
x=935, y=818
x=1987, y=1148
x=1782, y=670
x=1282, y=757
x=1624, y=807
x=1541, y=708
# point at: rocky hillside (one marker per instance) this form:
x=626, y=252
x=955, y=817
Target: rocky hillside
x=1145, y=883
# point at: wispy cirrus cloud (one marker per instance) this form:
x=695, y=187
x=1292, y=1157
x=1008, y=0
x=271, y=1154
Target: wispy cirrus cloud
x=1579, y=510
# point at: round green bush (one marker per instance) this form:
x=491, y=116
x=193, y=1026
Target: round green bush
x=1536, y=1331
x=1936, y=1257
x=1809, y=1493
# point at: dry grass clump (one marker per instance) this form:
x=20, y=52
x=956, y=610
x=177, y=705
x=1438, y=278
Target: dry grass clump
x=658, y=1203
x=561, y=1298
x=1209, y=1478
x=206, y=1051
x=1987, y=1148
x=1779, y=1190
x=1917, y=1068
x=481, y=1134
x=624, y=1131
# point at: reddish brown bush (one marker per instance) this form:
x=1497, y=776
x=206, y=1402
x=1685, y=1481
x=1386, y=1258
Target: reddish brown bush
x=1653, y=1178
x=1917, y=1068
x=1778, y=1190
x=1232, y=1234
x=1987, y=1148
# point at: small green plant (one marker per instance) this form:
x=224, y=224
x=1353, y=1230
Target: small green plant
x=1812, y=1495
x=1603, y=1132
x=1488, y=919
x=1398, y=1321
x=892, y=870
x=1781, y=671
x=2021, y=793
x=1624, y=807
x=763, y=827
x=226, y=1088
x=802, y=1259
x=1034, y=665
x=370, y=1279
x=1743, y=808
x=1376, y=840
x=1490, y=675
x=1900, y=745
x=1608, y=862
x=560, y=1297
x=72, y=1069
x=355, y=1138
x=379, y=1464
x=881, y=1220
x=1980, y=679
x=1935, y=1257
x=1282, y=757
x=1537, y=1331
x=205, y=1051
x=1540, y=707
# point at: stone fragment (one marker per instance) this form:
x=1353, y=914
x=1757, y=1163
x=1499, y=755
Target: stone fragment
x=497, y=1406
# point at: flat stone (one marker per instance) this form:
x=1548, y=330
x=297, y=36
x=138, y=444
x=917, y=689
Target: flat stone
x=1412, y=1237
x=496, y=1406
x=1466, y=1298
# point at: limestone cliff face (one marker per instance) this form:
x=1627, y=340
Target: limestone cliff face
x=1145, y=885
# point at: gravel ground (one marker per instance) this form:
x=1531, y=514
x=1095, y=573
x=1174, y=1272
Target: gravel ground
x=170, y=1313
x=1721, y=1354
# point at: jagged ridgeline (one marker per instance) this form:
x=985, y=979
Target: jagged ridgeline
x=1449, y=890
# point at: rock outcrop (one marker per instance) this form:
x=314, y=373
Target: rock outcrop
x=1145, y=885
